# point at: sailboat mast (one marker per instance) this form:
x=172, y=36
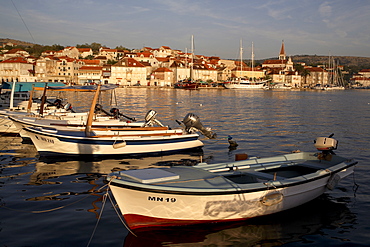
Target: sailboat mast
x=192, y=58
x=252, y=58
x=241, y=58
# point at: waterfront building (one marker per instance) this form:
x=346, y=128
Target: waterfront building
x=90, y=75
x=361, y=79
x=316, y=76
x=16, y=69
x=14, y=53
x=70, y=51
x=128, y=72
x=161, y=77
x=280, y=69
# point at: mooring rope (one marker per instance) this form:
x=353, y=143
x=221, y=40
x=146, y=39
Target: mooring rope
x=105, y=196
x=100, y=214
x=119, y=216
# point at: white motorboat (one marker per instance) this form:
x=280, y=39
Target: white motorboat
x=52, y=141
x=209, y=193
x=244, y=84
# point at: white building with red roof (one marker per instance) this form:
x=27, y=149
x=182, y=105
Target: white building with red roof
x=17, y=69
x=128, y=72
x=162, y=77
x=362, y=78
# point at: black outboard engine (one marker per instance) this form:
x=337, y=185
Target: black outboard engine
x=115, y=112
x=192, y=123
x=150, y=119
x=98, y=108
x=58, y=103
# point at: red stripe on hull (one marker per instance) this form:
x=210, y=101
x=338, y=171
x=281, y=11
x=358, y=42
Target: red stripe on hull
x=135, y=221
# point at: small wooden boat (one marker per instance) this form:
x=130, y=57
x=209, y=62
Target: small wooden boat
x=209, y=193
x=129, y=141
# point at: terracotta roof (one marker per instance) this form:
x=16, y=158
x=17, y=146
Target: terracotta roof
x=84, y=49
x=90, y=62
x=15, y=60
x=130, y=62
x=315, y=69
x=145, y=54
x=109, y=50
x=13, y=51
x=162, y=59
x=91, y=68
x=68, y=59
x=162, y=70
x=282, y=51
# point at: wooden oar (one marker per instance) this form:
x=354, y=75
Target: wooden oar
x=43, y=99
x=29, y=106
x=88, y=131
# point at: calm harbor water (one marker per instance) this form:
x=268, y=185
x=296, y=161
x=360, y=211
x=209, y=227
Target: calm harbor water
x=58, y=202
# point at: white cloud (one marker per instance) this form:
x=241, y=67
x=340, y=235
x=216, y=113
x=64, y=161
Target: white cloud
x=325, y=9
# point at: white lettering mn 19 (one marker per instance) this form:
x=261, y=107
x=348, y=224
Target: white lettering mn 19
x=161, y=199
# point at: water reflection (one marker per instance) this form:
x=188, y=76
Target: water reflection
x=50, y=169
x=286, y=227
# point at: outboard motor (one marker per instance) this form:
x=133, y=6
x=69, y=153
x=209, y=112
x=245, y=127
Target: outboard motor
x=192, y=123
x=326, y=145
x=68, y=107
x=115, y=112
x=98, y=108
x=58, y=103
x=150, y=119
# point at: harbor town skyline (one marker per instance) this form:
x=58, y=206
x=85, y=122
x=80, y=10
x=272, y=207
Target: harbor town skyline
x=338, y=28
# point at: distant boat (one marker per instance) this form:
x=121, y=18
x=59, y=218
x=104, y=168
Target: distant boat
x=187, y=84
x=226, y=192
x=244, y=84
x=241, y=82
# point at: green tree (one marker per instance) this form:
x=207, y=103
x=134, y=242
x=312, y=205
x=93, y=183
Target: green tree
x=111, y=61
x=122, y=48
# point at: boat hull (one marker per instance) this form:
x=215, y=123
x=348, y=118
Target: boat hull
x=177, y=202
x=56, y=144
x=243, y=86
x=165, y=209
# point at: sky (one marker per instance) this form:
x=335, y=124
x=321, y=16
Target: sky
x=307, y=27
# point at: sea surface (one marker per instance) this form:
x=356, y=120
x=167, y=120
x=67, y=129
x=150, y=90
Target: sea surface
x=56, y=202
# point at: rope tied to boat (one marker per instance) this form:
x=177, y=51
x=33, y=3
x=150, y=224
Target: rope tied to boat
x=115, y=207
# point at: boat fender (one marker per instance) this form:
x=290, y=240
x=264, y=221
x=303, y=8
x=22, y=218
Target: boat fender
x=272, y=199
x=333, y=181
x=119, y=144
x=241, y=157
